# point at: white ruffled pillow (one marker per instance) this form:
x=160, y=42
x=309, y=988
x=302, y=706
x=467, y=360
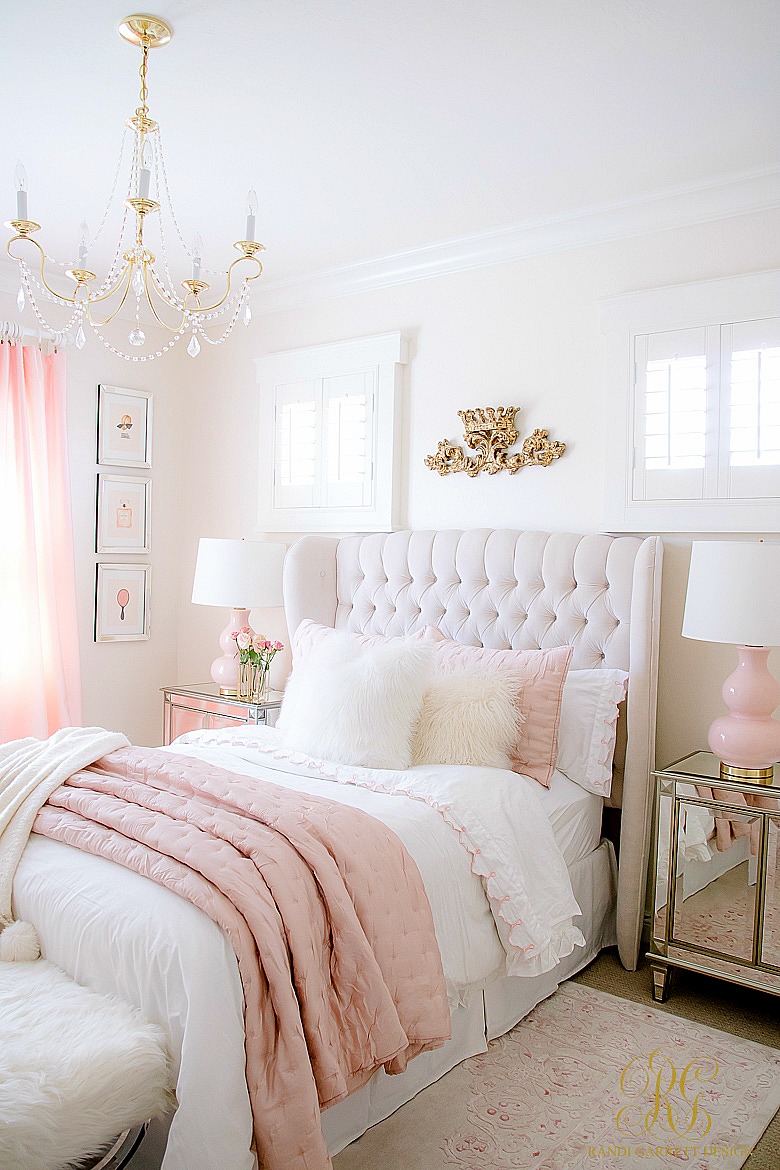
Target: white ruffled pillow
x=357, y=705
x=468, y=717
x=588, y=727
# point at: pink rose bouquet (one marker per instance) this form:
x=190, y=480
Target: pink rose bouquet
x=255, y=654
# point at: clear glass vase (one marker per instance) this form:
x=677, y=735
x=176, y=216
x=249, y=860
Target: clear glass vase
x=260, y=684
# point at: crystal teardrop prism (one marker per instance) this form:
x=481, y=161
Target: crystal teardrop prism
x=81, y=339
x=20, y=301
x=193, y=349
x=247, y=314
x=138, y=283
x=136, y=337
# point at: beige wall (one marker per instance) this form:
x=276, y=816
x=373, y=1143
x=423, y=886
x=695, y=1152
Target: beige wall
x=121, y=681
x=525, y=332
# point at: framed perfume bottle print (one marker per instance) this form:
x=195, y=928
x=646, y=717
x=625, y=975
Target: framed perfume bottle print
x=124, y=427
x=122, y=602
x=123, y=514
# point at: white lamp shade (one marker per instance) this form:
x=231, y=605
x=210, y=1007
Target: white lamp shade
x=733, y=593
x=239, y=574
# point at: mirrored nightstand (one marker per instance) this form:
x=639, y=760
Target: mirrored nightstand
x=715, y=879
x=191, y=708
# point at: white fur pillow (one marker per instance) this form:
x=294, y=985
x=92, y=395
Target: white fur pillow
x=468, y=717
x=357, y=705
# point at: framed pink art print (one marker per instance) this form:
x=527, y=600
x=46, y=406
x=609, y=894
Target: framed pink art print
x=122, y=594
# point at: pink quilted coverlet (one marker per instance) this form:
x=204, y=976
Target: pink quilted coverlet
x=325, y=909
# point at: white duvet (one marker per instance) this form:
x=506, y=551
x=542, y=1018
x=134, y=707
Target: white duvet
x=495, y=877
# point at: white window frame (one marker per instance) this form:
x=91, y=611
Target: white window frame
x=381, y=359
x=711, y=305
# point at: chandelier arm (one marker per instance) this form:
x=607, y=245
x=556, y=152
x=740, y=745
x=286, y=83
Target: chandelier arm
x=110, y=290
x=171, y=328
x=171, y=300
x=162, y=292
x=89, y=303
x=58, y=297
x=216, y=305
x=77, y=313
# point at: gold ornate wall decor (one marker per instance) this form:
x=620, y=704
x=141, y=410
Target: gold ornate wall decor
x=490, y=430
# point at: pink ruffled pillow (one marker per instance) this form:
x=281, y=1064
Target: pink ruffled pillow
x=540, y=675
x=310, y=634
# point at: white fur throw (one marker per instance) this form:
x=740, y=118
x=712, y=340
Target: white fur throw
x=30, y=770
x=356, y=705
x=76, y=1068
x=468, y=717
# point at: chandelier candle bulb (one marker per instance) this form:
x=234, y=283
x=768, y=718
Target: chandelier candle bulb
x=251, y=215
x=83, y=241
x=20, y=177
x=197, y=257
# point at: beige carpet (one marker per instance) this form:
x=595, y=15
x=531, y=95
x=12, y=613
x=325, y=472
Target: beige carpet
x=551, y=1095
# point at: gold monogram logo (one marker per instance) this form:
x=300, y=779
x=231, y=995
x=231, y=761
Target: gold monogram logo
x=663, y=1100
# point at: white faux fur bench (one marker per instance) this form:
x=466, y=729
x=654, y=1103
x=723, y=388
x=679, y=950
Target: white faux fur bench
x=76, y=1068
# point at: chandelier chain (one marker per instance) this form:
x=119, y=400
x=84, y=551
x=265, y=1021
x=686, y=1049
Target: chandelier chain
x=143, y=109
x=211, y=271
x=231, y=324
x=109, y=204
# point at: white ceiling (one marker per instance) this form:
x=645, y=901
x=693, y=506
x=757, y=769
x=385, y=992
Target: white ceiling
x=371, y=127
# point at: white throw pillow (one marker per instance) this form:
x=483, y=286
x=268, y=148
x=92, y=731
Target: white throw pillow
x=588, y=727
x=468, y=717
x=357, y=705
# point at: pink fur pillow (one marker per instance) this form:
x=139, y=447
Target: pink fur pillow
x=310, y=634
x=539, y=675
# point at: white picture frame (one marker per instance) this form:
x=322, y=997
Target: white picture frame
x=123, y=521
x=122, y=602
x=124, y=427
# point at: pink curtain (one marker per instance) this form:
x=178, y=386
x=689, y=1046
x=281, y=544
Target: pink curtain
x=40, y=678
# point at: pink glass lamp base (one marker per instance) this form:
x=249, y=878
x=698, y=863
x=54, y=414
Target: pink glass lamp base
x=224, y=670
x=747, y=741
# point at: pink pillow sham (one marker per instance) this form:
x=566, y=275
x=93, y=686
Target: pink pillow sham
x=540, y=676
x=310, y=634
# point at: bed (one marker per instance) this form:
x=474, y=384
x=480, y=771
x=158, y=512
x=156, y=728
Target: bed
x=115, y=931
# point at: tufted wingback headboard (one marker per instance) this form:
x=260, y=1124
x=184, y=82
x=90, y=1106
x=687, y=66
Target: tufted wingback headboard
x=521, y=590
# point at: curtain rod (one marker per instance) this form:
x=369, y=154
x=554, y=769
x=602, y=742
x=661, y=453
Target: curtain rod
x=14, y=334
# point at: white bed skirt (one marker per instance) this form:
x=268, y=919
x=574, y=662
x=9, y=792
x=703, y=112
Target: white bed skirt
x=490, y=1012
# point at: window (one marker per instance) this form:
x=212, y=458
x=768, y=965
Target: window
x=693, y=415
x=331, y=412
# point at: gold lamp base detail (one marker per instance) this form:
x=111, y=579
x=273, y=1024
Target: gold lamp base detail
x=747, y=775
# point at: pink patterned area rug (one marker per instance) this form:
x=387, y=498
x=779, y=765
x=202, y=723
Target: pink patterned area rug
x=587, y=1081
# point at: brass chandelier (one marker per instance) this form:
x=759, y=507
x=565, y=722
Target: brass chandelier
x=134, y=274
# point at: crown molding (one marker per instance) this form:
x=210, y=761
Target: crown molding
x=684, y=205
x=669, y=207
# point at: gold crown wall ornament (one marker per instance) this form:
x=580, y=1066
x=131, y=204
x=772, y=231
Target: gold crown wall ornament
x=490, y=431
